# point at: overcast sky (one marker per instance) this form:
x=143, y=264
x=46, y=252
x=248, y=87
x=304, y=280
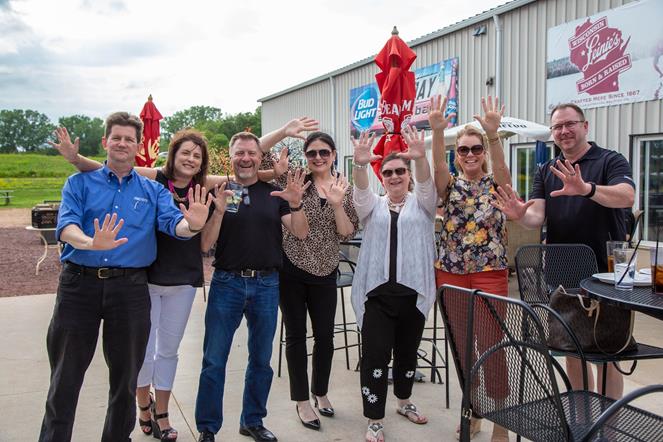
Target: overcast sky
x=92, y=57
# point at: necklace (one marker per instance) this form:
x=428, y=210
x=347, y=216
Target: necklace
x=396, y=207
x=176, y=197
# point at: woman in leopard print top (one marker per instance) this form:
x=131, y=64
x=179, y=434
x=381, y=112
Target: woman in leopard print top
x=308, y=276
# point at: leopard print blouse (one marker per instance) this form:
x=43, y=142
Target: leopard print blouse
x=318, y=254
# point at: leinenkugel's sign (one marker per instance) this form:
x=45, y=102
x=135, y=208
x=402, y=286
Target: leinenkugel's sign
x=439, y=78
x=610, y=58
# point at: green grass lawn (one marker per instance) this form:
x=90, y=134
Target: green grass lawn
x=29, y=191
x=33, y=178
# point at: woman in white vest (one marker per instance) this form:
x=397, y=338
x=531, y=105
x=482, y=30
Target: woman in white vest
x=394, y=284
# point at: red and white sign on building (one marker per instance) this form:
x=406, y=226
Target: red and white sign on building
x=607, y=59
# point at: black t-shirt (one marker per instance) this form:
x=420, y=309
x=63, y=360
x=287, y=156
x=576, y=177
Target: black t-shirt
x=391, y=287
x=178, y=262
x=251, y=238
x=575, y=219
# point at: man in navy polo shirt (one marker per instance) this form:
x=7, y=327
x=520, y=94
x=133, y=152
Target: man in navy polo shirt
x=581, y=195
x=104, y=278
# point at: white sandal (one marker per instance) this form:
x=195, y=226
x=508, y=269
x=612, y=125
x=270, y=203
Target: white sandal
x=376, y=431
x=412, y=409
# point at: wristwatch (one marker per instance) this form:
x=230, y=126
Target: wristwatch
x=297, y=209
x=591, y=192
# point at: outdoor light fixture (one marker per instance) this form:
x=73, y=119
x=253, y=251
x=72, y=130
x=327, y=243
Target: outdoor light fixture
x=479, y=30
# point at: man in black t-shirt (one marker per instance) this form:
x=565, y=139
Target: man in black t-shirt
x=245, y=283
x=580, y=195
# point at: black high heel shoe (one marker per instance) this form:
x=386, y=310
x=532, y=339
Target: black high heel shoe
x=157, y=432
x=146, y=425
x=325, y=411
x=313, y=425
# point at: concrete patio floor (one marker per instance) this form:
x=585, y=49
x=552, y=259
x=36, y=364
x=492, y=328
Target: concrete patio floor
x=24, y=374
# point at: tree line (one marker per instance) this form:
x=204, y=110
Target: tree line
x=26, y=130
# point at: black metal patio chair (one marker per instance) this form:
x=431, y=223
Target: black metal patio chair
x=541, y=268
x=509, y=377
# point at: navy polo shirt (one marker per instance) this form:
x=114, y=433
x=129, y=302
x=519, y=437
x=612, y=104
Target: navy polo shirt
x=144, y=205
x=576, y=219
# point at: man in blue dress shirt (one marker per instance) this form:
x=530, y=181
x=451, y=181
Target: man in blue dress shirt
x=103, y=277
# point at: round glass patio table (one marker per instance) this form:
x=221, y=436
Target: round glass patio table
x=640, y=299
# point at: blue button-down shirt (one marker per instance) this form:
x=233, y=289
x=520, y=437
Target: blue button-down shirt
x=144, y=205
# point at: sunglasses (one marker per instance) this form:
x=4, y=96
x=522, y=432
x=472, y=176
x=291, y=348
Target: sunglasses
x=400, y=171
x=477, y=149
x=312, y=154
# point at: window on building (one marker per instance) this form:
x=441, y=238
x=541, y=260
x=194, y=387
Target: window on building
x=525, y=166
x=648, y=174
x=348, y=168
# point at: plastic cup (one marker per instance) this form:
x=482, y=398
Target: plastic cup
x=624, y=268
x=656, y=256
x=233, y=202
x=610, y=246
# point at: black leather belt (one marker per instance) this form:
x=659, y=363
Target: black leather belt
x=251, y=273
x=101, y=272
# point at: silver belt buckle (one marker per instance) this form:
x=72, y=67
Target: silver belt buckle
x=100, y=273
x=248, y=273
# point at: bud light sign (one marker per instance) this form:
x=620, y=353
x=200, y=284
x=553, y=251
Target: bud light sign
x=364, y=107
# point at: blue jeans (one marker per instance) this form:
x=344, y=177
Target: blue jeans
x=230, y=297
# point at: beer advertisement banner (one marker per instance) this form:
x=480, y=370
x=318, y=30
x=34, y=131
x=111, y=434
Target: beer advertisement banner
x=439, y=78
x=610, y=58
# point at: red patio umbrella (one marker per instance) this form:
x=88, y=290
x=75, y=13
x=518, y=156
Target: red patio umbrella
x=397, y=93
x=147, y=156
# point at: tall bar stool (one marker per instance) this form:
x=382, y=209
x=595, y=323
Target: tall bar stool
x=343, y=281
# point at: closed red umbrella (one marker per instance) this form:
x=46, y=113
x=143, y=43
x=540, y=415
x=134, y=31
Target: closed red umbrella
x=397, y=92
x=147, y=155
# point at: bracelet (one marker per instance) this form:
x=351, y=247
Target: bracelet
x=591, y=192
x=493, y=140
x=359, y=166
x=297, y=209
x=192, y=230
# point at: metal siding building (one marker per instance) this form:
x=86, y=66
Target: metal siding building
x=519, y=76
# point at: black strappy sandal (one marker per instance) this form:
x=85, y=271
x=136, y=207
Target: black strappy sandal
x=146, y=425
x=157, y=432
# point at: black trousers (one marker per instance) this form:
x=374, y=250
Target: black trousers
x=82, y=302
x=391, y=323
x=296, y=299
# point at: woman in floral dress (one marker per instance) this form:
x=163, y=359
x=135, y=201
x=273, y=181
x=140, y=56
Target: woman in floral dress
x=473, y=239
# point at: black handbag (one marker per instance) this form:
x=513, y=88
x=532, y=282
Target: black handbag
x=599, y=328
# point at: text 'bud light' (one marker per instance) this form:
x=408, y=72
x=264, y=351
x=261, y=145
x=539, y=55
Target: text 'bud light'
x=364, y=107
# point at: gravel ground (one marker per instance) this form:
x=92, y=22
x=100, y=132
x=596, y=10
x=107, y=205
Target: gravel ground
x=20, y=250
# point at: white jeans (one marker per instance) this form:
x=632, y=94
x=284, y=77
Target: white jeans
x=171, y=306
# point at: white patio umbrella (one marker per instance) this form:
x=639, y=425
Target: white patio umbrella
x=509, y=126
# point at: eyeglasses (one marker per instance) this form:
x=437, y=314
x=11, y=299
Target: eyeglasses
x=312, y=154
x=246, y=199
x=399, y=171
x=477, y=149
x=568, y=125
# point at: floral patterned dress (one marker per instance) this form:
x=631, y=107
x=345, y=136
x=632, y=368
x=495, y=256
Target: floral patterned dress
x=473, y=237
